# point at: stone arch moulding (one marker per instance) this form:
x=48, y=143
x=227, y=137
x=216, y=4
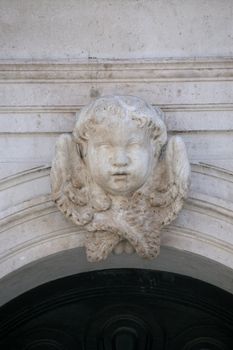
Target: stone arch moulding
x=38, y=240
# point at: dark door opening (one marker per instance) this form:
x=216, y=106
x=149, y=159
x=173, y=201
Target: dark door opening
x=120, y=309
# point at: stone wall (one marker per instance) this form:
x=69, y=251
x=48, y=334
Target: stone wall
x=57, y=56
x=115, y=29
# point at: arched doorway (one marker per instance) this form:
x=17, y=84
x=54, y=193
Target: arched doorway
x=119, y=309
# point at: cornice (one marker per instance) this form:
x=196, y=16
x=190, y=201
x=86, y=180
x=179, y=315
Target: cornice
x=133, y=70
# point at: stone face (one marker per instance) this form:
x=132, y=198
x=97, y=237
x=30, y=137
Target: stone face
x=117, y=178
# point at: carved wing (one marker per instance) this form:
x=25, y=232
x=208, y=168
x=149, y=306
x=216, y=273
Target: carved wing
x=171, y=181
x=69, y=181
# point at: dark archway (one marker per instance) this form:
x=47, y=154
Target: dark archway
x=121, y=309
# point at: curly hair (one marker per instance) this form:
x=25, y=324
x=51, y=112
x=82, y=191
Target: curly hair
x=110, y=110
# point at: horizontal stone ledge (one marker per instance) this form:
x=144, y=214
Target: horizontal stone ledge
x=118, y=70
x=170, y=107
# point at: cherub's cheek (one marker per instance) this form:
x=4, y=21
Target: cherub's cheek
x=105, y=158
x=140, y=159
x=98, y=158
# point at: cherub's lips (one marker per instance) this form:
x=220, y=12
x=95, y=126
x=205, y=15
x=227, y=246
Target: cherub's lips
x=120, y=175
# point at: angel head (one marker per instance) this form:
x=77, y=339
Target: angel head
x=109, y=177
x=120, y=140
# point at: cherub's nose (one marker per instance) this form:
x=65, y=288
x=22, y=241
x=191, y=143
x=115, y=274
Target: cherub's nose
x=120, y=157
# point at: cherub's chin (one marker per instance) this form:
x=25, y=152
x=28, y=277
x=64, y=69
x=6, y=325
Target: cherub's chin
x=120, y=190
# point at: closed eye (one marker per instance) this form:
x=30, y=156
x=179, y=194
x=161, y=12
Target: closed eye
x=102, y=145
x=135, y=144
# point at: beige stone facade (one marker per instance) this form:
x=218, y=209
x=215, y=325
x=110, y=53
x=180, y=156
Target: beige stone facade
x=57, y=57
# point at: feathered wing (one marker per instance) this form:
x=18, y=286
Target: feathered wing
x=171, y=181
x=69, y=181
x=167, y=191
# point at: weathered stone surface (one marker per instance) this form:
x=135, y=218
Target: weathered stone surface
x=111, y=178
x=38, y=102
x=54, y=60
x=115, y=29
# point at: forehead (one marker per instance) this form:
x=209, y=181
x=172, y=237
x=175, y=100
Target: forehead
x=117, y=110
x=118, y=132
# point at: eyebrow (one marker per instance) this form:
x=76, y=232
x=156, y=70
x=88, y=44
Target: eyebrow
x=136, y=138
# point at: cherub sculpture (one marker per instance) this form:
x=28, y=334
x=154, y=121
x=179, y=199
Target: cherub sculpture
x=117, y=177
